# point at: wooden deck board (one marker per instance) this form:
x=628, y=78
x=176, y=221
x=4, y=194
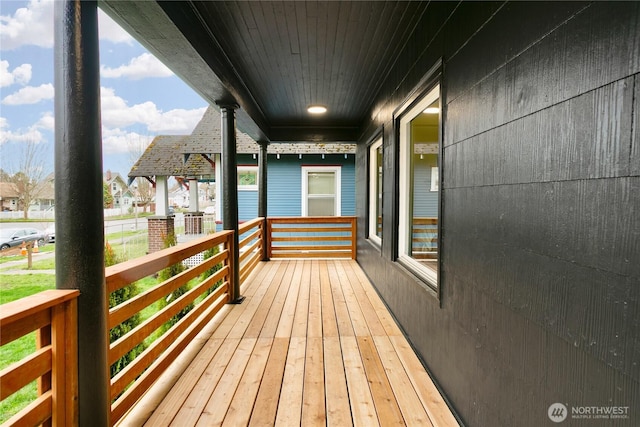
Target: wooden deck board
x=312, y=344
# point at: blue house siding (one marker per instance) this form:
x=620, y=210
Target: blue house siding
x=348, y=186
x=425, y=201
x=284, y=186
x=247, y=205
x=284, y=182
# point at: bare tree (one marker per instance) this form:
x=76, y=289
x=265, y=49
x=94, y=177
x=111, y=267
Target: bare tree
x=143, y=190
x=28, y=177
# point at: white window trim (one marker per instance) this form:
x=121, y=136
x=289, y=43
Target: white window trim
x=404, y=197
x=248, y=187
x=305, y=186
x=373, y=191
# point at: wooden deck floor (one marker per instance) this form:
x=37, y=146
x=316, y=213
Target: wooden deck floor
x=312, y=344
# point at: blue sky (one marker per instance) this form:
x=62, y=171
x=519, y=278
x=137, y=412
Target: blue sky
x=140, y=97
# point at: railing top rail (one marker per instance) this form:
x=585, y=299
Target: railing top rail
x=129, y=271
x=249, y=224
x=312, y=219
x=24, y=307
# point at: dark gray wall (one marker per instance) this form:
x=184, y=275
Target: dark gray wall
x=540, y=251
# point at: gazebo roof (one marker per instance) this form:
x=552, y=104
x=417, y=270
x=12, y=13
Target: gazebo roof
x=166, y=154
x=163, y=157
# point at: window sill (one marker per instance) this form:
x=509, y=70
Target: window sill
x=419, y=278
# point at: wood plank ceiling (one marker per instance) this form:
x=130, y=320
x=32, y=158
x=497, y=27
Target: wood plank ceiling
x=276, y=58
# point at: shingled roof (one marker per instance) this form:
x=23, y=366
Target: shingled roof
x=165, y=155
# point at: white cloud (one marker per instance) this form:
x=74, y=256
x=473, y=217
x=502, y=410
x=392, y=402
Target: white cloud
x=33, y=25
x=20, y=74
x=140, y=67
x=30, y=25
x=177, y=121
x=117, y=114
x=109, y=30
x=46, y=122
x=118, y=141
x=30, y=95
x=32, y=134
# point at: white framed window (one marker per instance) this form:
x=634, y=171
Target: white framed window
x=419, y=179
x=435, y=179
x=321, y=191
x=375, y=191
x=247, y=178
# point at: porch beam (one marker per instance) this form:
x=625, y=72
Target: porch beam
x=78, y=195
x=262, y=194
x=230, y=191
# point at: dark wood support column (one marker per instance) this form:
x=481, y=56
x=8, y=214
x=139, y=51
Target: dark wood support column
x=262, y=193
x=230, y=191
x=78, y=195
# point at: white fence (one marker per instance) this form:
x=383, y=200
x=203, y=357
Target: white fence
x=50, y=214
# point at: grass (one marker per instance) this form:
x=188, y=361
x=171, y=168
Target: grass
x=16, y=286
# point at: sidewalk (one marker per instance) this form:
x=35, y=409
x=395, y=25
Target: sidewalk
x=20, y=266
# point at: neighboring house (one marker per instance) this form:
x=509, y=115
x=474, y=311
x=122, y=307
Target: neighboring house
x=45, y=194
x=123, y=198
x=303, y=179
x=8, y=197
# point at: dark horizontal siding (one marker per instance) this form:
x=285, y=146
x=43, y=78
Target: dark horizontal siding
x=540, y=279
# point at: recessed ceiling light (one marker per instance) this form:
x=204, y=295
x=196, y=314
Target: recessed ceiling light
x=317, y=109
x=431, y=110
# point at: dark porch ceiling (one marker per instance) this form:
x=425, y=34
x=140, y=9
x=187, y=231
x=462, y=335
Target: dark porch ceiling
x=276, y=58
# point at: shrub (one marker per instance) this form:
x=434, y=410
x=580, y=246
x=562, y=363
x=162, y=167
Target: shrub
x=116, y=298
x=210, y=272
x=169, y=241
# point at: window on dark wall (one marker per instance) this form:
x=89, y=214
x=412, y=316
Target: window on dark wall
x=419, y=177
x=375, y=191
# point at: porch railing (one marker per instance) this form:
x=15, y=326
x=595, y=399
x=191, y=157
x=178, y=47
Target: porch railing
x=424, y=238
x=52, y=315
x=312, y=237
x=251, y=244
x=204, y=298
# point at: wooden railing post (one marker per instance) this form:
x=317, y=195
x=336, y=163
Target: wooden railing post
x=52, y=315
x=267, y=238
x=354, y=238
x=232, y=262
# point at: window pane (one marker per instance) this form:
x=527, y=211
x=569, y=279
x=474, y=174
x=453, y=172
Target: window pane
x=418, y=198
x=423, y=206
x=378, y=195
x=247, y=177
x=321, y=206
x=322, y=183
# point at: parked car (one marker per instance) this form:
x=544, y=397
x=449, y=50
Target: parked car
x=51, y=233
x=10, y=237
